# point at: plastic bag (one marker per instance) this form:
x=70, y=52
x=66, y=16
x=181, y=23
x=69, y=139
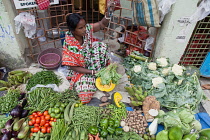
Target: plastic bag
x=64, y=70
x=164, y=7
x=53, y=86
x=41, y=33
x=149, y=42
x=203, y=10
x=27, y=21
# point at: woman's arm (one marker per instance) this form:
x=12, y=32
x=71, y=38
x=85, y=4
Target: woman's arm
x=104, y=22
x=82, y=70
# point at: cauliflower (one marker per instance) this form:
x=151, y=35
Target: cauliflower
x=156, y=81
x=162, y=62
x=152, y=66
x=137, y=68
x=180, y=82
x=177, y=69
x=166, y=71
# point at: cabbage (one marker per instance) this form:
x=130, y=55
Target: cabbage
x=185, y=128
x=196, y=125
x=186, y=116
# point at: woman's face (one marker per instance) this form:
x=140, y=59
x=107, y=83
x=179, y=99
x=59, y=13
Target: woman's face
x=80, y=30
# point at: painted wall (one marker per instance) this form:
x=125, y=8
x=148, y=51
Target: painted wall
x=166, y=44
x=169, y=40
x=11, y=45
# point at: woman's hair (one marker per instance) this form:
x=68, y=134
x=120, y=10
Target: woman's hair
x=72, y=20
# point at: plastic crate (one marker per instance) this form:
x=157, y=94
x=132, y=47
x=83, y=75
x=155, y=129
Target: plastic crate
x=205, y=67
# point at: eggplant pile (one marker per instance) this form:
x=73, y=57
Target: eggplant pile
x=17, y=127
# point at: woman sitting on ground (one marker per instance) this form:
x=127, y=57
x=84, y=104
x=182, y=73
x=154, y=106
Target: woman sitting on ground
x=83, y=55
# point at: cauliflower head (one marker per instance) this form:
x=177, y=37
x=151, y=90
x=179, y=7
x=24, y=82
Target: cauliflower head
x=166, y=71
x=177, y=69
x=162, y=62
x=137, y=68
x=156, y=81
x=152, y=66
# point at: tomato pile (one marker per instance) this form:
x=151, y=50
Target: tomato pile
x=41, y=122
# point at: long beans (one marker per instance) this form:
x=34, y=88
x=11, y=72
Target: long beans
x=40, y=99
x=85, y=116
x=59, y=130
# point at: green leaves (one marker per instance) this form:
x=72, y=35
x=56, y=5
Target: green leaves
x=109, y=74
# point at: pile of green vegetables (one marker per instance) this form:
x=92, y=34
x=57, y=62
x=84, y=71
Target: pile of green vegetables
x=173, y=85
x=44, y=77
x=180, y=124
x=109, y=74
x=9, y=100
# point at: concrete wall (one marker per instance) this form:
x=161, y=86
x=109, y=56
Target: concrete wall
x=11, y=45
x=167, y=44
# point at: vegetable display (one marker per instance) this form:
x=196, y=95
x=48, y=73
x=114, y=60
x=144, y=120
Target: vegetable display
x=44, y=114
x=109, y=75
x=169, y=83
x=43, y=77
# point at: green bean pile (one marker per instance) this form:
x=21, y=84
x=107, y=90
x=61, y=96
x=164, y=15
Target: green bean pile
x=40, y=99
x=117, y=113
x=43, y=77
x=69, y=95
x=9, y=100
x=86, y=116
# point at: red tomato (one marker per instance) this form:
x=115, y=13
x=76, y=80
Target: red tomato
x=31, y=116
x=54, y=120
x=47, y=124
x=42, y=117
x=33, y=120
x=30, y=123
x=42, y=122
x=47, y=117
x=45, y=113
x=51, y=119
x=39, y=113
x=32, y=130
x=38, y=119
x=48, y=129
x=36, y=129
x=36, y=125
x=34, y=114
x=43, y=129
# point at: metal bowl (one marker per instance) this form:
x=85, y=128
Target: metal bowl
x=54, y=33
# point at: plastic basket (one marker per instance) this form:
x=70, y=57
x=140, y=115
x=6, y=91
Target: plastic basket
x=49, y=59
x=50, y=50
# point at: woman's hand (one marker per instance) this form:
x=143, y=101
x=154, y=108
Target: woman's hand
x=110, y=7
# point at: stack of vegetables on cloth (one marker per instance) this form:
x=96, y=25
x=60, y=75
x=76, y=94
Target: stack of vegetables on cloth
x=84, y=55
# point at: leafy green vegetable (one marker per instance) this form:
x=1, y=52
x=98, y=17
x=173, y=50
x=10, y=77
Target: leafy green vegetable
x=109, y=74
x=174, y=92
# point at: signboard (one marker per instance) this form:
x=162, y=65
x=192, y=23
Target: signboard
x=20, y=4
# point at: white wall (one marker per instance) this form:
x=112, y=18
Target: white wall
x=167, y=45
x=11, y=45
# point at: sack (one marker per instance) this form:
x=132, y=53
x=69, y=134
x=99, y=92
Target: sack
x=103, y=5
x=145, y=13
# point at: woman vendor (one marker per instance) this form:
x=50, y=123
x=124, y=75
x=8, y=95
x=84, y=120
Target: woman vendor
x=83, y=55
